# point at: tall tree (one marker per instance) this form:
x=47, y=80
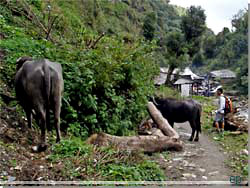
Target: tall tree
x=193, y=24
x=240, y=21
x=198, y=60
x=149, y=26
x=175, y=52
x=209, y=46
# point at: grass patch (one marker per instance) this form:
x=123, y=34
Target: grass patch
x=164, y=92
x=87, y=162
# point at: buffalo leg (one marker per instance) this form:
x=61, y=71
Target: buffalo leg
x=57, y=110
x=43, y=127
x=48, y=120
x=41, y=121
x=29, y=117
x=193, y=130
x=197, y=136
x=198, y=127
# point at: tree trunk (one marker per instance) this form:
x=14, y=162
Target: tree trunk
x=161, y=122
x=169, y=74
x=147, y=144
x=161, y=139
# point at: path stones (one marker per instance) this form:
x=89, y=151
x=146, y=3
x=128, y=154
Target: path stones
x=188, y=154
x=191, y=145
x=187, y=175
x=202, y=170
x=213, y=173
x=177, y=159
x=204, y=177
x=187, y=164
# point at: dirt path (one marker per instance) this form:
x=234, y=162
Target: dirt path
x=199, y=161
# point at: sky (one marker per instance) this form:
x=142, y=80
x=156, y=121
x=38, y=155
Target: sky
x=219, y=12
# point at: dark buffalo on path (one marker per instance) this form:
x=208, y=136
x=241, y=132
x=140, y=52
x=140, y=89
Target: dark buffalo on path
x=39, y=87
x=179, y=111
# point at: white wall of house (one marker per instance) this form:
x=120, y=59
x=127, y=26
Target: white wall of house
x=185, y=90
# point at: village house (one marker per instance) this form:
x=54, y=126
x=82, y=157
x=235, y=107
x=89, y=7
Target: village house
x=187, y=82
x=219, y=78
x=224, y=76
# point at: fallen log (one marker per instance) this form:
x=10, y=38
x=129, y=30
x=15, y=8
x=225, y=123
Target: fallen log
x=234, y=123
x=159, y=139
x=161, y=122
x=147, y=144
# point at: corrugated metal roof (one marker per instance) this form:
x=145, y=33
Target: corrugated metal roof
x=183, y=81
x=161, y=79
x=224, y=73
x=187, y=72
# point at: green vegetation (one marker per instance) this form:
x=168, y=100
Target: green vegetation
x=149, y=26
x=106, y=86
x=193, y=24
x=85, y=161
x=164, y=92
x=227, y=50
x=107, y=78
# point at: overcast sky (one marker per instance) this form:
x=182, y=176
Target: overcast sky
x=219, y=12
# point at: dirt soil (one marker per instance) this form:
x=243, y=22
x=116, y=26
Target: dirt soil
x=17, y=161
x=199, y=161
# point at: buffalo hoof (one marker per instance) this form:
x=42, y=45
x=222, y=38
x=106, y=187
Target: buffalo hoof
x=39, y=148
x=196, y=139
x=190, y=139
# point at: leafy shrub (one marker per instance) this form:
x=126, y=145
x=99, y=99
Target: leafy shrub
x=68, y=148
x=106, y=88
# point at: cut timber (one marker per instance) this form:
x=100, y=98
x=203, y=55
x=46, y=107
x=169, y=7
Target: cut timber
x=147, y=144
x=162, y=138
x=161, y=122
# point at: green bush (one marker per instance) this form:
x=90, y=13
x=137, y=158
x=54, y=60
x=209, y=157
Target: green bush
x=105, y=88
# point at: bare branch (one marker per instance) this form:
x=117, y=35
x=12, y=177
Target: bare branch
x=93, y=45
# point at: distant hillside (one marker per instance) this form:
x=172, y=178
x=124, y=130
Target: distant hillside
x=107, y=63
x=228, y=49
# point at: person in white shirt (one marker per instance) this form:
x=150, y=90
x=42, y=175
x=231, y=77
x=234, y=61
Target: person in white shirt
x=219, y=113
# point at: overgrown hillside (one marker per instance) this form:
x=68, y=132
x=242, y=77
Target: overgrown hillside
x=107, y=77
x=108, y=71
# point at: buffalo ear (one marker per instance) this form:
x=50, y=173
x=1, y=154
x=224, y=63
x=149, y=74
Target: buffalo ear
x=20, y=61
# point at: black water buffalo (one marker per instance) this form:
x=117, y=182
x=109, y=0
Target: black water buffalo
x=39, y=86
x=176, y=111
